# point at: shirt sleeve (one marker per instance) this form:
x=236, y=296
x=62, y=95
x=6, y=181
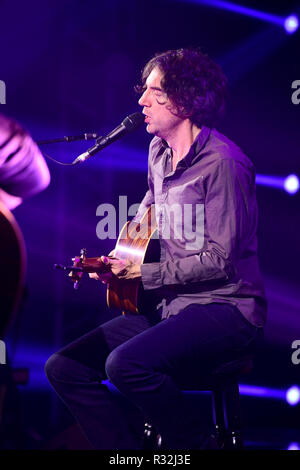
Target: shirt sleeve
x=23, y=170
x=230, y=220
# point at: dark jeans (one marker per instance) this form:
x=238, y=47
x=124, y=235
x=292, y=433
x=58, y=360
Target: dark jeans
x=150, y=362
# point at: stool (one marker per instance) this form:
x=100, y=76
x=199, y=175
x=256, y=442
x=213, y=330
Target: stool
x=223, y=383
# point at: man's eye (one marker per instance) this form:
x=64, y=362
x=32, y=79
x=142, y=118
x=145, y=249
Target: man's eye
x=161, y=97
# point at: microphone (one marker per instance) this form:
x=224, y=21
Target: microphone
x=130, y=124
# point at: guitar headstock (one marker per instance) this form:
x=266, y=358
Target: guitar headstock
x=78, y=262
x=81, y=265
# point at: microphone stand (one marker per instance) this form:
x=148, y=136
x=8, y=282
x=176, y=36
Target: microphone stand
x=71, y=138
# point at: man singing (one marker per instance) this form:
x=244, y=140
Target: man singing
x=211, y=305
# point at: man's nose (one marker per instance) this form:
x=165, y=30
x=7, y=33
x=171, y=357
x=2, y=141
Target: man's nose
x=144, y=100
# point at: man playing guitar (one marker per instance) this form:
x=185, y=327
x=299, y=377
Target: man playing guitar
x=211, y=305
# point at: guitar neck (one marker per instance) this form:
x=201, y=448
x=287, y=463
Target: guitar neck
x=94, y=265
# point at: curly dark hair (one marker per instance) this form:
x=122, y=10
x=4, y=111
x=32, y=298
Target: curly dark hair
x=194, y=83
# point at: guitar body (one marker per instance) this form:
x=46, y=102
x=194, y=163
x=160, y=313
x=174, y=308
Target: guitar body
x=137, y=242
x=13, y=259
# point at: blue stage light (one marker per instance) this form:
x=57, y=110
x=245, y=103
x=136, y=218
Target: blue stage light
x=262, y=392
x=291, y=24
x=293, y=395
x=290, y=184
x=294, y=446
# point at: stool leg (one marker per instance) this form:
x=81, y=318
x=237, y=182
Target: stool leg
x=232, y=411
x=227, y=416
x=218, y=415
x=152, y=440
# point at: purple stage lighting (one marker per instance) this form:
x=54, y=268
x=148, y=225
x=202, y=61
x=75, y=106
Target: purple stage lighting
x=290, y=184
x=262, y=392
x=293, y=395
x=291, y=24
x=294, y=446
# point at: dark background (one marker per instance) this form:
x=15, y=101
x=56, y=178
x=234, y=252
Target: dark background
x=70, y=67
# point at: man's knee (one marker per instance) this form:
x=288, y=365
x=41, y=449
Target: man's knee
x=55, y=368
x=51, y=366
x=63, y=370
x=118, y=366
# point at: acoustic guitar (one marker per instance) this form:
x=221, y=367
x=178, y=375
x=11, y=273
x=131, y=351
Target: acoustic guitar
x=138, y=243
x=13, y=260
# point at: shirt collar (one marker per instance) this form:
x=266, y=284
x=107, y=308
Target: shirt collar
x=196, y=146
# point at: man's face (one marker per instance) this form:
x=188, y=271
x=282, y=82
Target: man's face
x=158, y=109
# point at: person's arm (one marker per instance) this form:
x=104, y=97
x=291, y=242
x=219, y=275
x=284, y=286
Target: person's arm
x=23, y=170
x=230, y=222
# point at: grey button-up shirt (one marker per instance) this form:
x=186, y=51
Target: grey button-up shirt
x=206, y=214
